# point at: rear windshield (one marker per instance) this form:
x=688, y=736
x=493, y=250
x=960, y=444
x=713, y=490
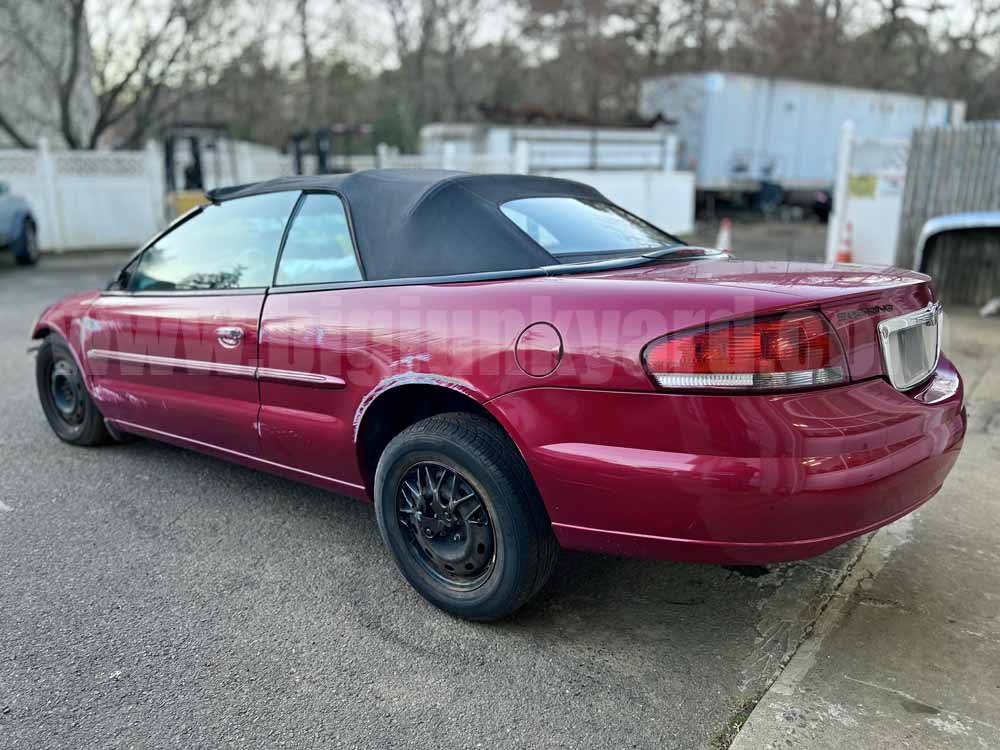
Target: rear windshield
x=575, y=226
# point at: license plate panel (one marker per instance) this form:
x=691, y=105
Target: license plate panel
x=911, y=346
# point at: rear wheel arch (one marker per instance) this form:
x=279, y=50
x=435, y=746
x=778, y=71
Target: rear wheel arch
x=396, y=408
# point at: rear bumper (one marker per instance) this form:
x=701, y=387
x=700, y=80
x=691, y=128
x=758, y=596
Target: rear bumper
x=734, y=479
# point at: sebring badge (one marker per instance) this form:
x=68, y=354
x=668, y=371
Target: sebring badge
x=862, y=311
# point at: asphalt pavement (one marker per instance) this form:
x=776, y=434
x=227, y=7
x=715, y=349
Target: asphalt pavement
x=154, y=597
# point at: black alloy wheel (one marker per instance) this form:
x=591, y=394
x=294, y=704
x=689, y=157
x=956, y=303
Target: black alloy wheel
x=447, y=524
x=462, y=518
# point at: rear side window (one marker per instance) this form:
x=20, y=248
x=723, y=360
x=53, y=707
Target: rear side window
x=571, y=226
x=233, y=245
x=318, y=249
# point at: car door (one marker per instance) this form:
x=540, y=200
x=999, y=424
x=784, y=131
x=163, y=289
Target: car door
x=174, y=352
x=307, y=405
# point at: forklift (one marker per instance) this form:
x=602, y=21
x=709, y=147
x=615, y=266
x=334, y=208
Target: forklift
x=185, y=146
x=332, y=147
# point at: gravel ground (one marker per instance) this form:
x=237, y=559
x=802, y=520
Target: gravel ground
x=153, y=597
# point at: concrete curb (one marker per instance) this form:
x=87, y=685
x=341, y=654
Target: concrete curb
x=874, y=554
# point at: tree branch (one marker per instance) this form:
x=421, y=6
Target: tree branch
x=8, y=127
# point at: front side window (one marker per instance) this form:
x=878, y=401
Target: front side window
x=318, y=249
x=232, y=245
x=575, y=226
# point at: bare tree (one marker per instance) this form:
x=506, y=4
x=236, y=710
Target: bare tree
x=415, y=25
x=308, y=66
x=109, y=72
x=590, y=38
x=125, y=68
x=460, y=21
x=7, y=125
x=52, y=61
x=970, y=64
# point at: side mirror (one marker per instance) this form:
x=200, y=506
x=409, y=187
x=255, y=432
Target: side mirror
x=120, y=283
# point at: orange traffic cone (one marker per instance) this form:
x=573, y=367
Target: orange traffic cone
x=846, y=252
x=724, y=240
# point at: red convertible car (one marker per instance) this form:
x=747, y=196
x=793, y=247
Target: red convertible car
x=507, y=365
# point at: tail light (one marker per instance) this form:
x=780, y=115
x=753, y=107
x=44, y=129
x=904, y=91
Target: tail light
x=795, y=350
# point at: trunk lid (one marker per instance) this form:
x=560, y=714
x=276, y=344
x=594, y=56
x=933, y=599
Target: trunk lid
x=854, y=298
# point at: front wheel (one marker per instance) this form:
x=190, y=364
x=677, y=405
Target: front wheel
x=462, y=518
x=70, y=411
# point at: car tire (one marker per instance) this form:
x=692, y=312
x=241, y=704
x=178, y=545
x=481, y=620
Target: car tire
x=72, y=414
x=26, y=248
x=484, y=519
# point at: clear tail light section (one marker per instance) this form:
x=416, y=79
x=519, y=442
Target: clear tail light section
x=780, y=352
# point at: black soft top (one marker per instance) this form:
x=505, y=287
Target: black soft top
x=430, y=222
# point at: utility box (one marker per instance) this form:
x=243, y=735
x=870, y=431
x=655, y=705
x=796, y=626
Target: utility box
x=737, y=131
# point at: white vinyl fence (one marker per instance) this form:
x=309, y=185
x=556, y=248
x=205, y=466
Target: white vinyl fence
x=88, y=199
x=117, y=199
x=868, y=197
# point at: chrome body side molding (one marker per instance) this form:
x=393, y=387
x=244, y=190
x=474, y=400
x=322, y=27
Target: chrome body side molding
x=268, y=374
x=191, y=365
x=298, y=376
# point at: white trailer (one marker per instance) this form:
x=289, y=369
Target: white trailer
x=737, y=131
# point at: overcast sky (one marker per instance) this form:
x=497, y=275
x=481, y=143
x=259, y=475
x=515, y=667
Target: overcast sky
x=360, y=31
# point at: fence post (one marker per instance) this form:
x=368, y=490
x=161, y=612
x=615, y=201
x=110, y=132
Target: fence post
x=839, y=214
x=522, y=157
x=243, y=163
x=156, y=181
x=47, y=172
x=448, y=155
x=669, y=153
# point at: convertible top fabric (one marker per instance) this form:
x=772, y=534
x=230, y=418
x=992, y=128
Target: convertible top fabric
x=415, y=223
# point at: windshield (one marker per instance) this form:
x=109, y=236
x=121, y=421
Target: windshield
x=574, y=229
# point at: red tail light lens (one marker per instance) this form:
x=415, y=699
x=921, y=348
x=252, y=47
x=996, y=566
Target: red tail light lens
x=795, y=350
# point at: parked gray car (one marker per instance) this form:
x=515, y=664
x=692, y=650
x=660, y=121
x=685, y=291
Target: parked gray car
x=18, y=227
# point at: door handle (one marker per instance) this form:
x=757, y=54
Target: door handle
x=229, y=336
